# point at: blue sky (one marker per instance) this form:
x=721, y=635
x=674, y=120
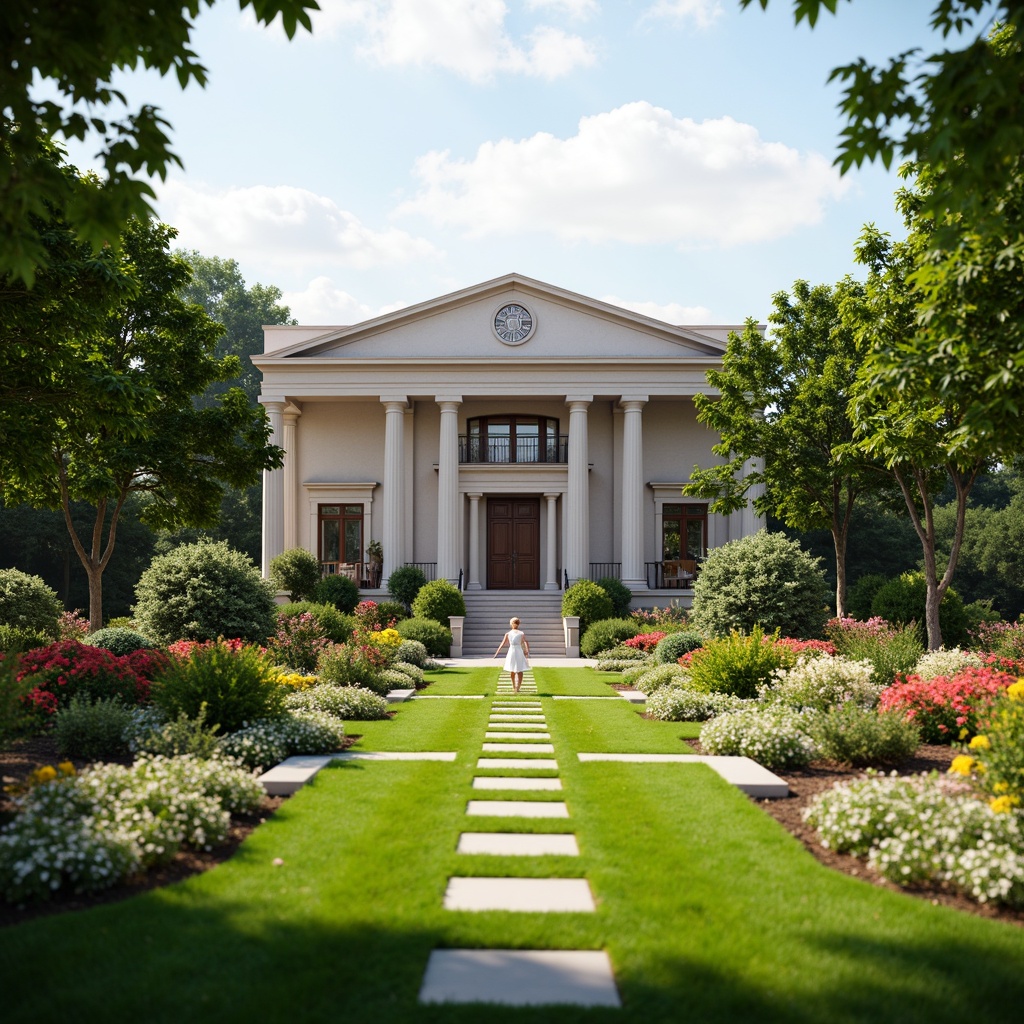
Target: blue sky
x=673, y=156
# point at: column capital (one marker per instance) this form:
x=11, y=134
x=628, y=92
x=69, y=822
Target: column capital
x=552, y=495
x=633, y=401
x=400, y=400
x=474, y=495
x=578, y=399
x=292, y=411
x=448, y=403
x=275, y=402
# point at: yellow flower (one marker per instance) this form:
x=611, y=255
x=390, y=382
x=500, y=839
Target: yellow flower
x=42, y=775
x=980, y=742
x=1001, y=787
x=387, y=637
x=66, y=768
x=1016, y=691
x=1002, y=804
x=962, y=765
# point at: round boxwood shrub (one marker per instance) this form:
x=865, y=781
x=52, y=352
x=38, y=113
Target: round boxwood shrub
x=763, y=580
x=337, y=626
x=339, y=591
x=675, y=645
x=203, y=591
x=432, y=634
x=118, y=640
x=620, y=594
x=405, y=583
x=437, y=600
x=295, y=571
x=589, y=601
x=605, y=634
x=27, y=603
x=901, y=601
x=412, y=652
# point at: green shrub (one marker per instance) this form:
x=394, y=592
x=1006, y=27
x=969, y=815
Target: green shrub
x=14, y=638
x=92, y=730
x=355, y=664
x=264, y=744
x=337, y=626
x=605, y=634
x=201, y=592
x=119, y=640
x=620, y=652
x=620, y=594
x=349, y=703
x=438, y=600
x=395, y=680
x=738, y=664
x=436, y=637
x=118, y=622
x=26, y=602
x=860, y=594
x=405, y=583
x=859, y=737
x=338, y=591
x=675, y=645
x=237, y=687
x=891, y=651
x=295, y=571
x=681, y=704
x=391, y=611
x=589, y=601
x=822, y=683
x=901, y=601
x=14, y=715
x=412, y=652
x=657, y=676
x=182, y=735
x=776, y=737
x=763, y=580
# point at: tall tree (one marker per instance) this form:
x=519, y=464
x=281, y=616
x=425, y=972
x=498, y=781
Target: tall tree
x=218, y=286
x=782, y=400
x=74, y=51
x=155, y=354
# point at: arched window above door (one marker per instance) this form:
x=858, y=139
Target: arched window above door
x=513, y=439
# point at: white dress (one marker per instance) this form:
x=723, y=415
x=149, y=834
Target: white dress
x=515, y=660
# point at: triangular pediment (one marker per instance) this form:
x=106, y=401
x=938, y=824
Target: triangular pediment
x=461, y=325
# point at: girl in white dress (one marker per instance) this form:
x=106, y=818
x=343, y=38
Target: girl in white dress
x=518, y=652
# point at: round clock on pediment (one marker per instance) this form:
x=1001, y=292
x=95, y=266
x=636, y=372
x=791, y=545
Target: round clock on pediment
x=513, y=323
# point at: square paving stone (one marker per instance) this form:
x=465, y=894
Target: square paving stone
x=520, y=977
x=519, y=844
x=517, y=809
x=516, y=762
x=511, y=716
x=538, y=726
x=515, y=782
x=521, y=895
x=518, y=748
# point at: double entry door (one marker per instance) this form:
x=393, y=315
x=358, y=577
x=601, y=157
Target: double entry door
x=513, y=543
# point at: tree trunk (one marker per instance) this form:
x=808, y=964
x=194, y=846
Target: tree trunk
x=840, y=542
x=95, y=574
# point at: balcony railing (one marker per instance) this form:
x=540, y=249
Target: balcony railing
x=500, y=450
x=605, y=570
x=671, y=575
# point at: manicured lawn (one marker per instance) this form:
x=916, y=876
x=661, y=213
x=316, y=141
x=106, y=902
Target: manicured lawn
x=709, y=910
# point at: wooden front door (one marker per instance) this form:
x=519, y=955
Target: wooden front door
x=513, y=543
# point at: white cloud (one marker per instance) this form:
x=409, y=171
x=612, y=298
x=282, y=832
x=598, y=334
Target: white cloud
x=467, y=37
x=636, y=174
x=323, y=302
x=702, y=13
x=580, y=9
x=669, y=313
x=282, y=226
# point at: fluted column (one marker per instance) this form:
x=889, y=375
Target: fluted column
x=551, y=554
x=394, y=489
x=290, y=419
x=448, y=490
x=474, y=542
x=633, y=575
x=750, y=520
x=273, y=489
x=577, y=499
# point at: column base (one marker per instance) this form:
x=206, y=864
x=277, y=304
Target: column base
x=635, y=585
x=552, y=586
x=474, y=586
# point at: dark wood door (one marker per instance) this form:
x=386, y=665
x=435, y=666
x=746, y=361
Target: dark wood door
x=513, y=543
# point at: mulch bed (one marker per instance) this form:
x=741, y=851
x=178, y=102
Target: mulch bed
x=806, y=783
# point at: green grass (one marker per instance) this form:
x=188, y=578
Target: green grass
x=709, y=910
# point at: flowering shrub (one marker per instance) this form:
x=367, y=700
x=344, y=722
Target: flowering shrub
x=413, y=675
x=892, y=650
x=1005, y=639
x=645, y=641
x=236, y=685
x=652, y=679
x=680, y=704
x=71, y=626
x=671, y=614
x=185, y=648
x=808, y=648
x=932, y=664
x=924, y=828
x=388, y=637
x=860, y=737
x=68, y=668
x=264, y=744
x=738, y=664
x=296, y=680
x=298, y=641
x=776, y=737
x=822, y=683
x=998, y=751
x=349, y=703
x=88, y=832
x=946, y=709
x=356, y=663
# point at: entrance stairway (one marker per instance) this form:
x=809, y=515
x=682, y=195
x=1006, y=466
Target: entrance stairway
x=488, y=612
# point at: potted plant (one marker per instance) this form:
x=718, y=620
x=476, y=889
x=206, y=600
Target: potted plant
x=375, y=562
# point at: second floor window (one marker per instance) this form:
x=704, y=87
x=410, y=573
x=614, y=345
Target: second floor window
x=513, y=439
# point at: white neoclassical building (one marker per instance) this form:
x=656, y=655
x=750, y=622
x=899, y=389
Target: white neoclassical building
x=513, y=436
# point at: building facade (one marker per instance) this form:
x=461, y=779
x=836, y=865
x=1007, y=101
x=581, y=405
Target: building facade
x=508, y=436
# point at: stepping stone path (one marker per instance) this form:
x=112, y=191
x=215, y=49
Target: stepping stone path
x=517, y=727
